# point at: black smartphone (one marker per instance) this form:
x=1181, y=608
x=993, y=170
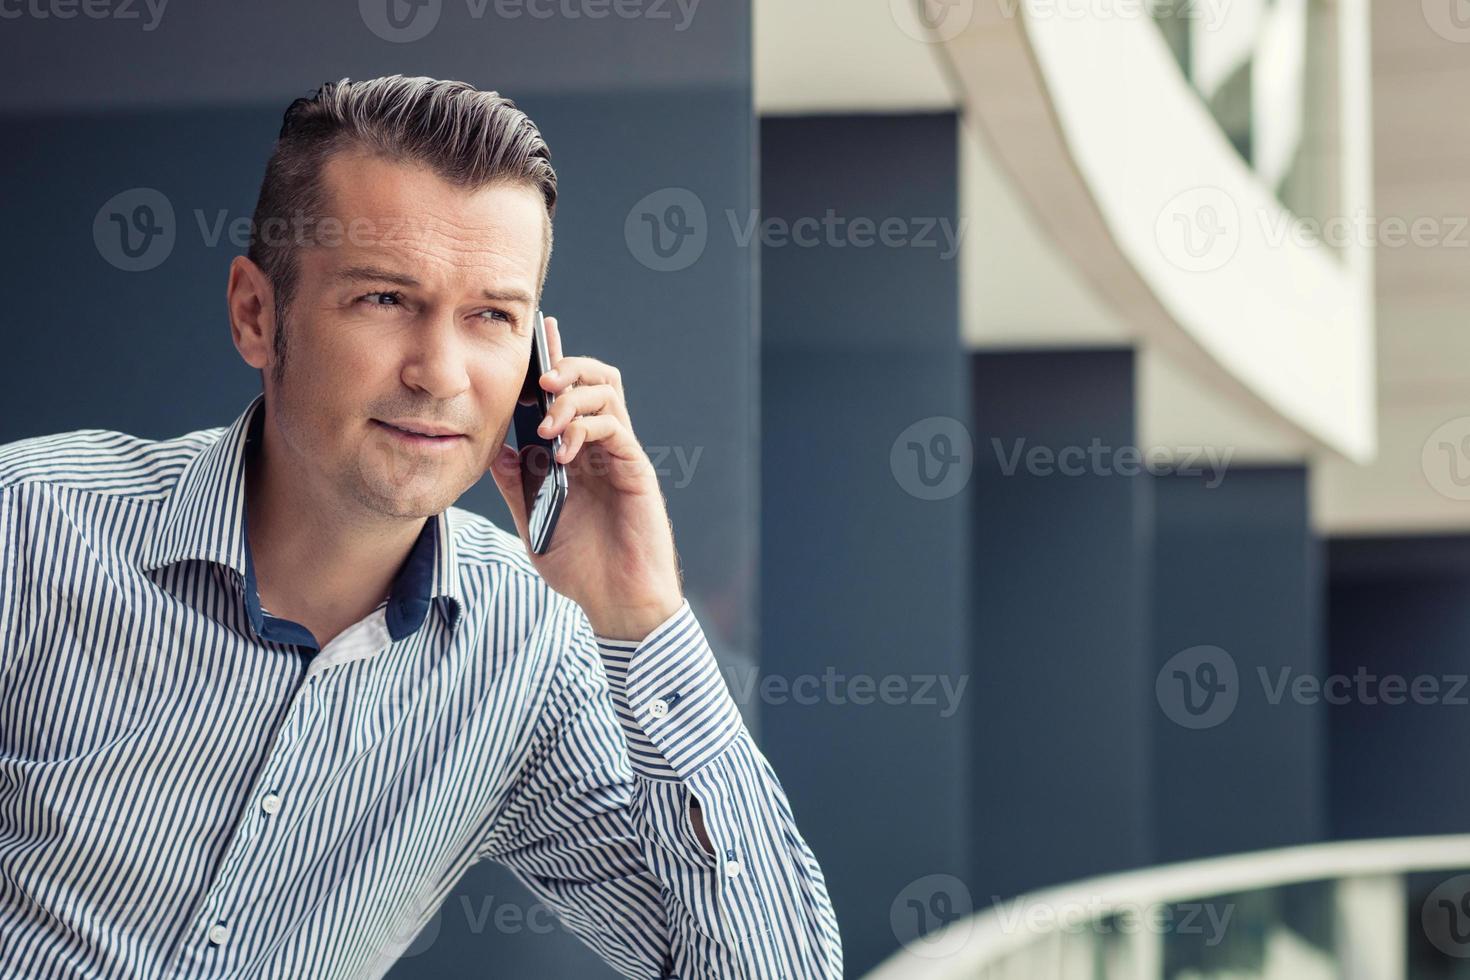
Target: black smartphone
x=543, y=479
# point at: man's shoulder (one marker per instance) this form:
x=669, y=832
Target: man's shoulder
x=102, y=461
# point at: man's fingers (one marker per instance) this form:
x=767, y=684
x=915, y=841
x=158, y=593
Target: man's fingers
x=608, y=430
x=582, y=371
x=553, y=341
x=593, y=400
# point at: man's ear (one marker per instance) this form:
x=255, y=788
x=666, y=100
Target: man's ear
x=252, y=307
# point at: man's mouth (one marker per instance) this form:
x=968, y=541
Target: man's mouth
x=421, y=433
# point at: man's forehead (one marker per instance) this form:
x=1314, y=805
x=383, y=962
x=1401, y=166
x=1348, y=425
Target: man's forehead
x=406, y=222
x=411, y=199
x=507, y=277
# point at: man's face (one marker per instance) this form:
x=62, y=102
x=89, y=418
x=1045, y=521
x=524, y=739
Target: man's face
x=418, y=312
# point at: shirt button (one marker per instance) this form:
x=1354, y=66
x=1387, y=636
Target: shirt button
x=732, y=869
x=270, y=803
x=218, y=933
x=658, y=709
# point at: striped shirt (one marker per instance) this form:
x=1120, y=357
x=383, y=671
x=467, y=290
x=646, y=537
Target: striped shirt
x=189, y=787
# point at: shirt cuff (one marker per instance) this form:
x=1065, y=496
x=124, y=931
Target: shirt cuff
x=671, y=700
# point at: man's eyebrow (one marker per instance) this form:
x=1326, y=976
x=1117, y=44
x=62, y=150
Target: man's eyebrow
x=359, y=273
x=364, y=273
x=507, y=295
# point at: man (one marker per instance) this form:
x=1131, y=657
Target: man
x=265, y=695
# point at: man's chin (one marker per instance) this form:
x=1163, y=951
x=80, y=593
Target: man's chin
x=407, y=483
x=420, y=493
x=399, y=503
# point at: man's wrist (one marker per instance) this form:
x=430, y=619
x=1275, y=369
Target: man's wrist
x=632, y=624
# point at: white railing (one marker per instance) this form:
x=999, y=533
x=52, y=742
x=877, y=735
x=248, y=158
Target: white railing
x=1068, y=931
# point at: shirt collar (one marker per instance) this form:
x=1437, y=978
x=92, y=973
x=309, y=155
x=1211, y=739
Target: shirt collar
x=203, y=519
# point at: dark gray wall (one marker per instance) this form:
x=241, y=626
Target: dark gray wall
x=859, y=577
x=211, y=54
x=1236, y=567
x=629, y=107
x=1063, y=692
x=1399, y=608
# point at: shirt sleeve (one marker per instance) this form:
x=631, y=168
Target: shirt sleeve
x=606, y=838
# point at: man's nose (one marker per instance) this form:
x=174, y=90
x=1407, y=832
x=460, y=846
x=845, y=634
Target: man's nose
x=435, y=362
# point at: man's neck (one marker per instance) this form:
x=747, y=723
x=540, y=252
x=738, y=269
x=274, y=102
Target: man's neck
x=317, y=562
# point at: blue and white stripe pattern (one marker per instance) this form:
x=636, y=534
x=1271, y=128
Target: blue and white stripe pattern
x=189, y=788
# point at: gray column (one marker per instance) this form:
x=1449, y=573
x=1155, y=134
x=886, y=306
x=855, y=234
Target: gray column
x=862, y=541
x=1237, y=608
x=1061, y=554
x=1399, y=632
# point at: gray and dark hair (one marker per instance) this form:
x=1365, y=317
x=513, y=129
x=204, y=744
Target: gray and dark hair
x=470, y=138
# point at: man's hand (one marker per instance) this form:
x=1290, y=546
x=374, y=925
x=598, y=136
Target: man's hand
x=612, y=552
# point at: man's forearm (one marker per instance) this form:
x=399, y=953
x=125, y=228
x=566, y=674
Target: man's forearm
x=715, y=822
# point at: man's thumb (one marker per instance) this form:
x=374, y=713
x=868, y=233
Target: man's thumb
x=505, y=469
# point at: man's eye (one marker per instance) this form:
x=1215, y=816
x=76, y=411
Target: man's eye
x=491, y=314
x=373, y=299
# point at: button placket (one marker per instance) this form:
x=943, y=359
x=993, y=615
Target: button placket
x=266, y=796
x=258, y=812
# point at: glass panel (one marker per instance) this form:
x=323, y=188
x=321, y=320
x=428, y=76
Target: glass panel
x=1267, y=72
